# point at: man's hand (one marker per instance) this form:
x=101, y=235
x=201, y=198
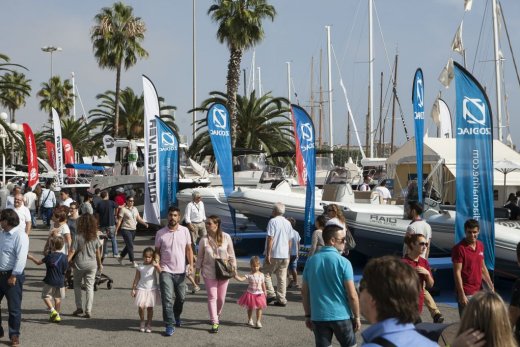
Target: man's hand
x=11, y=281
x=356, y=323
x=268, y=259
x=463, y=299
x=308, y=324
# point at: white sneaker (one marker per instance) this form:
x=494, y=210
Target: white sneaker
x=250, y=323
x=258, y=325
x=134, y=264
x=120, y=260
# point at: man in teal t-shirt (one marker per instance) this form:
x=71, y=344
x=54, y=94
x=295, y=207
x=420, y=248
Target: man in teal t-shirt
x=328, y=280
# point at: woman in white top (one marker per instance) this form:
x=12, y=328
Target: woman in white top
x=127, y=222
x=59, y=227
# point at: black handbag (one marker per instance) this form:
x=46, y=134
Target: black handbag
x=223, y=269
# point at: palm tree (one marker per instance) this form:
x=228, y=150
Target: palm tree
x=262, y=123
x=131, y=119
x=15, y=89
x=57, y=95
x=116, y=40
x=240, y=27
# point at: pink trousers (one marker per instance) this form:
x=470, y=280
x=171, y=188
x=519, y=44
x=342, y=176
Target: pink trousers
x=216, y=290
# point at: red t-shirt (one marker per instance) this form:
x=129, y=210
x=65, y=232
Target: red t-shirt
x=120, y=199
x=471, y=260
x=422, y=278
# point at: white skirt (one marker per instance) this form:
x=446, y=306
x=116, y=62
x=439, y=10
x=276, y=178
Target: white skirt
x=147, y=297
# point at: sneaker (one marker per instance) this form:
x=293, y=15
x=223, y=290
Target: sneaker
x=57, y=319
x=87, y=315
x=258, y=325
x=53, y=315
x=214, y=329
x=134, y=264
x=141, y=326
x=169, y=330
x=77, y=312
x=119, y=260
x=195, y=289
x=280, y=304
x=271, y=299
x=148, y=328
x=250, y=323
x=15, y=340
x=178, y=323
x=438, y=318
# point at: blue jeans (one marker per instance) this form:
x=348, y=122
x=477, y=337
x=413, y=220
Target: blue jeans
x=111, y=233
x=33, y=218
x=46, y=215
x=128, y=236
x=342, y=329
x=14, y=303
x=170, y=284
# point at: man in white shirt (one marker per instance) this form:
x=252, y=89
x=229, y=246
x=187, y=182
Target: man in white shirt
x=47, y=203
x=365, y=186
x=277, y=246
x=29, y=199
x=23, y=213
x=384, y=193
x=194, y=217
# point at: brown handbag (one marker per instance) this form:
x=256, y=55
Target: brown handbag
x=223, y=269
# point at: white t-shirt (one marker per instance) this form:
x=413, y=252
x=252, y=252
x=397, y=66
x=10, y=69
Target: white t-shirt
x=67, y=202
x=30, y=200
x=24, y=215
x=280, y=229
x=295, y=241
x=364, y=187
x=63, y=230
x=148, y=277
x=383, y=192
x=419, y=227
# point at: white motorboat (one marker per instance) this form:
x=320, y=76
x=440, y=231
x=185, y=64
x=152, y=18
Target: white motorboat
x=378, y=228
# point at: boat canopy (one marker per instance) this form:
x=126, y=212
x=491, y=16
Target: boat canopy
x=85, y=167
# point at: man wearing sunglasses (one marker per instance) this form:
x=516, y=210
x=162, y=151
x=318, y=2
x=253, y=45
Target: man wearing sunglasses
x=330, y=300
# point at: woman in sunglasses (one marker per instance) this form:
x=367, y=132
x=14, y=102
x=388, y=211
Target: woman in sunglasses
x=416, y=244
x=127, y=220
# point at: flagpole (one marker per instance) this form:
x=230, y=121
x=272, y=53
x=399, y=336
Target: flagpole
x=497, y=71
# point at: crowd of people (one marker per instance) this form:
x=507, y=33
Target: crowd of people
x=194, y=248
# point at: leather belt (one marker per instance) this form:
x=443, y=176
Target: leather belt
x=6, y=273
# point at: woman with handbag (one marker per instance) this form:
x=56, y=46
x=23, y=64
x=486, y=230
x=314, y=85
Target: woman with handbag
x=216, y=262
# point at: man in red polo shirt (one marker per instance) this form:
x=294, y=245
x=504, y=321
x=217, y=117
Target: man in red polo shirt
x=469, y=268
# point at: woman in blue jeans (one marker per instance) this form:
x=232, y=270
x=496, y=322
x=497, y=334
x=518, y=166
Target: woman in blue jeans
x=127, y=222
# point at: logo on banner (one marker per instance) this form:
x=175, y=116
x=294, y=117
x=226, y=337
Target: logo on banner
x=474, y=112
x=307, y=136
x=68, y=147
x=219, y=119
x=167, y=142
x=420, y=99
x=33, y=174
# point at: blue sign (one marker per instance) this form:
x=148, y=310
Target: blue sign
x=168, y=149
x=306, y=146
x=474, y=135
x=219, y=128
x=418, y=115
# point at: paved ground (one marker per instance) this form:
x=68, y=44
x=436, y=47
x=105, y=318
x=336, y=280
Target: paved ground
x=115, y=320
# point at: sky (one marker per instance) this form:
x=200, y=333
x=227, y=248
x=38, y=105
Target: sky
x=420, y=32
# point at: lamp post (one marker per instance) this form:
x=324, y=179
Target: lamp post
x=3, y=136
x=51, y=49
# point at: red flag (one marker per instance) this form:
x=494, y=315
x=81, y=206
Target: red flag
x=68, y=154
x=32, y=156
x=51, y=153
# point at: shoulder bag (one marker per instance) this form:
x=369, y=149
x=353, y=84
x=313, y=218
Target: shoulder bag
x=223, y=269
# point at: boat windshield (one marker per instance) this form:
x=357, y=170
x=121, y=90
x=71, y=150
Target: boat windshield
x=338, y=175
x=271, y=174
x=249, y=162
x=324, y=164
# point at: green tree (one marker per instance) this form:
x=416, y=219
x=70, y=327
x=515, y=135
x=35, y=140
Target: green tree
x=262, y=123
x=17, y=88
x=131, y=118
x=57, y=95
x=116, y=41
x=240, y=27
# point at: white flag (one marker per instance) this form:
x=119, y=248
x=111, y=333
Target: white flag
x=467, y=5
x=447, y=74
x=56, y=125
x=456, y=44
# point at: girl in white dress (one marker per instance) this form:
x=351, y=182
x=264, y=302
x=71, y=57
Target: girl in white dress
x=145, y=289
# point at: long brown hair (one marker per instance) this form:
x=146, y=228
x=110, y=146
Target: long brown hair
x=337, y=212
x=219, y=237
x=87, y=226
x=487, y=312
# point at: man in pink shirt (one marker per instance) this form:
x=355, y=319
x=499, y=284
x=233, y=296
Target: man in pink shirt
x=469, y=268
x=173, y=245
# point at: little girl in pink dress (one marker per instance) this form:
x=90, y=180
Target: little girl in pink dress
x=254, y=297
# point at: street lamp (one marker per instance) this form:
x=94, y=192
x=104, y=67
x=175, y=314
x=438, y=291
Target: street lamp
x=51, y=49
x=3, y=136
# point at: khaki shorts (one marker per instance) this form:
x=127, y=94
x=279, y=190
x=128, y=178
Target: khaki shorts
x=49, y=292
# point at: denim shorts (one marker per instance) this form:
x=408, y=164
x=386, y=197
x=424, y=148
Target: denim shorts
x=293, y=262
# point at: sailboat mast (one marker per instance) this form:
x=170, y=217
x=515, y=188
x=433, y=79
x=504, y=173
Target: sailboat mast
x=497, y=70
x=321, y=98
x=194, y=72
x=370, y=79
x=312, y=91
x=329, y=57
x=394, y=89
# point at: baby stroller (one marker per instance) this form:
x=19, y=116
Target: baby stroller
x=100, y=276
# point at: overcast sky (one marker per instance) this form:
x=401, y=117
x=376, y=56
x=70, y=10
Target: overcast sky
x=420, y=31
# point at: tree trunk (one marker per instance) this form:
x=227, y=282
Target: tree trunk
x=118, y=92
x=233, y=79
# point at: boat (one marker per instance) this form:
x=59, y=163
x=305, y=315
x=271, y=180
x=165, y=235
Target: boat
x=377, y=228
